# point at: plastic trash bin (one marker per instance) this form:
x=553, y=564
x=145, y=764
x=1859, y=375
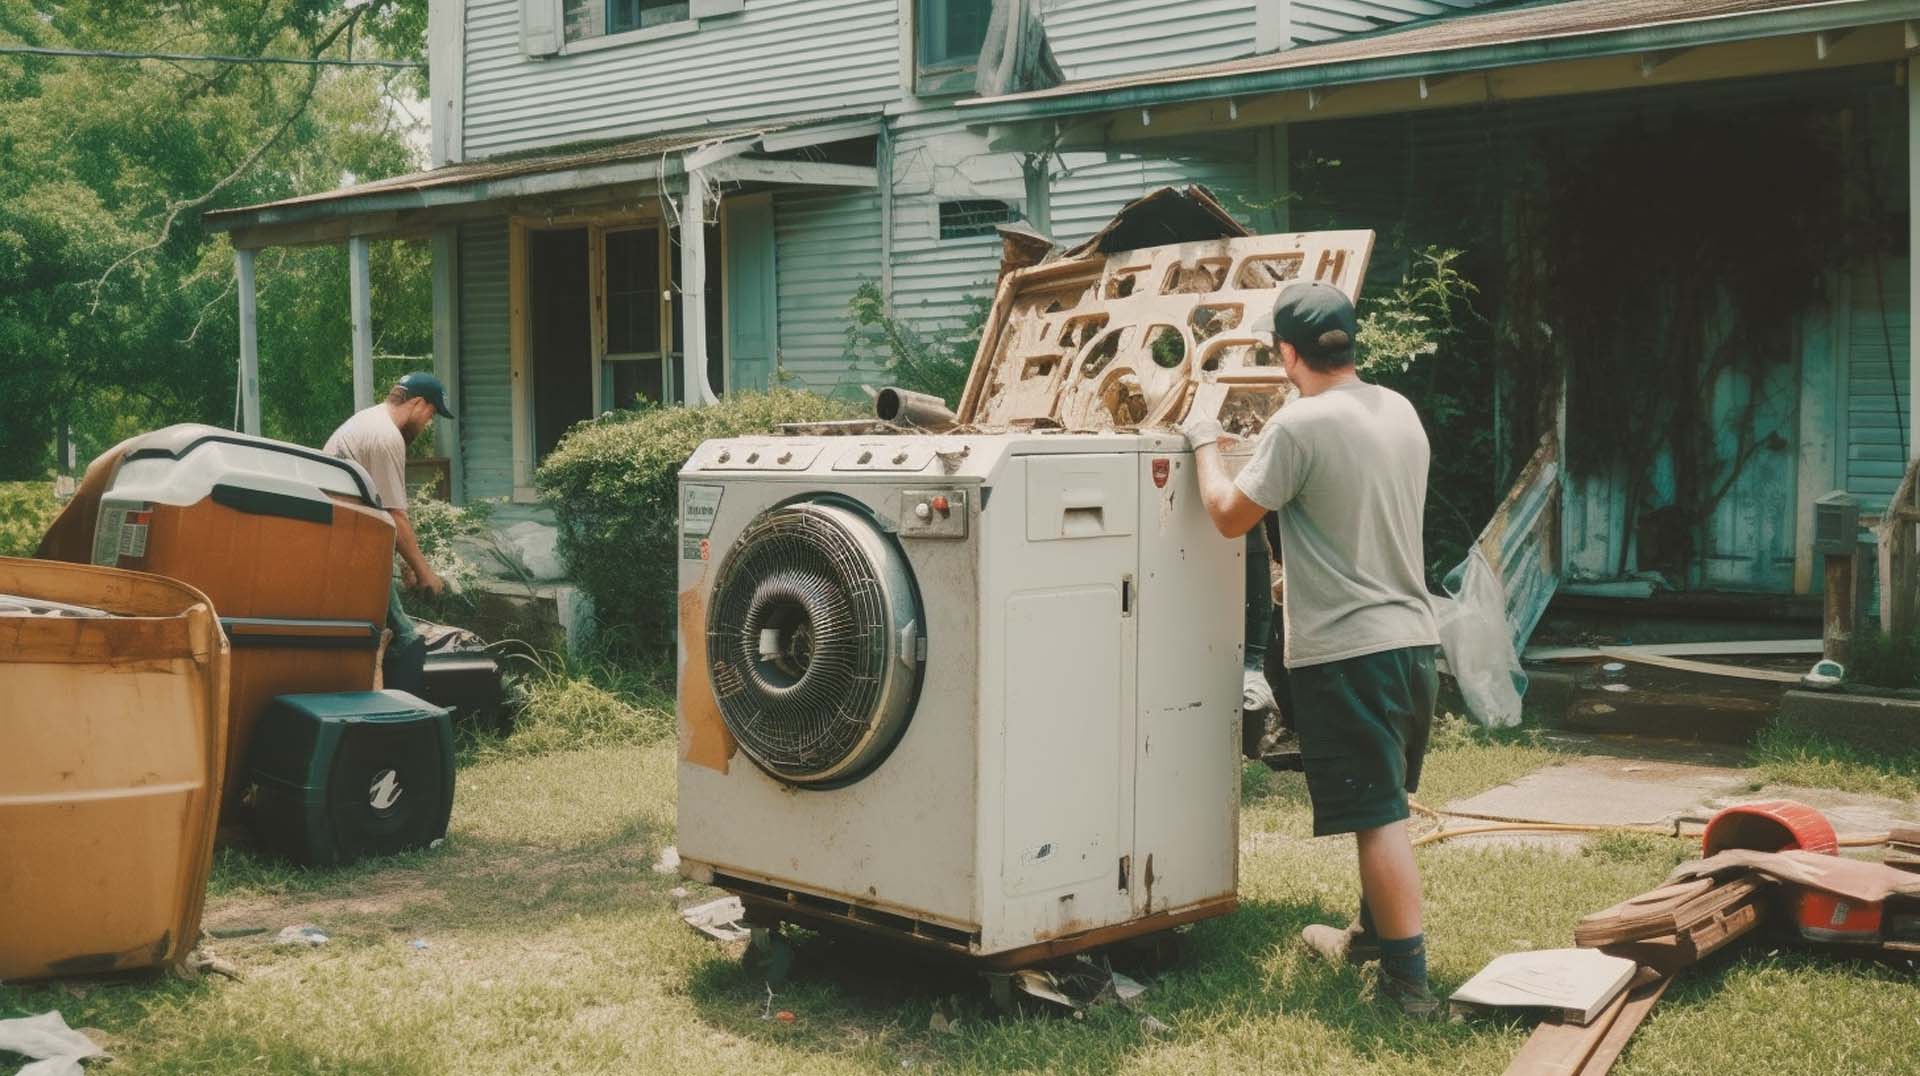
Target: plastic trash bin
x=113, y=726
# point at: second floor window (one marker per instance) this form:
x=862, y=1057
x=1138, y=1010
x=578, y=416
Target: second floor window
x=596, y=18
x=950, y=31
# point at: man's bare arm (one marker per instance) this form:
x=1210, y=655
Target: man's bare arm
x=1233, y=512
x=408, y=547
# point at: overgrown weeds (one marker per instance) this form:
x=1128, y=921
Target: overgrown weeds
x=1794, y=756
x=595, y=701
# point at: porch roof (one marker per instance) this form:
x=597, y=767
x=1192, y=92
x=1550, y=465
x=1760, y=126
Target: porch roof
x=401, y=204
x=1534, y=33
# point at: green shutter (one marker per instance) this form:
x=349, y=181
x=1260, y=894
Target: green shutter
x=750, y=294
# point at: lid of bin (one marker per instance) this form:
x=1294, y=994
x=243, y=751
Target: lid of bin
x=359, y=705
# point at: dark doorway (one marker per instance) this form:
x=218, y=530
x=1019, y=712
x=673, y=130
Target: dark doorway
x=561, y=331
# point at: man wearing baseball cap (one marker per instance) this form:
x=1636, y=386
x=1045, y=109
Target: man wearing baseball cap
x=376, y=438
x=1344, y=467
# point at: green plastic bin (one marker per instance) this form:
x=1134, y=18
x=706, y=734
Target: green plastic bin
x=343, y=776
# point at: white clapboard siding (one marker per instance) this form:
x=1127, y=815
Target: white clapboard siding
x=486, y=395
x=1101, y=38
x=777, y=59
x=1323, y=20
x=1089, y=194
x=826, y=243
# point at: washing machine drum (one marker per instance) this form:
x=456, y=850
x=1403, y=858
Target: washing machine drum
x=814, y=638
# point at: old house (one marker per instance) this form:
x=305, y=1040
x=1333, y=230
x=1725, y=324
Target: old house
x=650, y=199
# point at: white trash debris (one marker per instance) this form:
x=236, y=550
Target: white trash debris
x=719, y=919
x=668, y=862
x=55, y=1048
x=302, y=934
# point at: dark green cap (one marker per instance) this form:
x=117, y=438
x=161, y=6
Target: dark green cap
x=1316, y=319
x=427, y=387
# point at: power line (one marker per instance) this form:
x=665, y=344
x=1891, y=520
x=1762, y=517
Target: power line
x=298, y=61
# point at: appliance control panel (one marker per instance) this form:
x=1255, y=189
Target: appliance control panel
x=888, y=456
x=933, y=513
x=771, y=456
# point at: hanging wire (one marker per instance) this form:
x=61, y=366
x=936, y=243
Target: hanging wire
x=189, y=57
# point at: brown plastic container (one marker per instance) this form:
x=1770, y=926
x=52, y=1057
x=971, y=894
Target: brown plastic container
x=291, y=546
x=113, y=734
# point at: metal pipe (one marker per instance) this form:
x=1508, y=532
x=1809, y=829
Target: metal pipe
x=909, y=408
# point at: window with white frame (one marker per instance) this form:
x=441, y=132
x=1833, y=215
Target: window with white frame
x=948, y=35
x=585, y=19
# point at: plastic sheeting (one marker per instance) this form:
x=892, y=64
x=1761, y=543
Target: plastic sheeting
x=1479, y=649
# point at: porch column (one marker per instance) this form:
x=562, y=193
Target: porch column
x=249, y=344
x=693, y=291
x=1913, y=259
x=358, y=286
x=446, y=349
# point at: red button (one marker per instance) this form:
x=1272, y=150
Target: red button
x=940, y=504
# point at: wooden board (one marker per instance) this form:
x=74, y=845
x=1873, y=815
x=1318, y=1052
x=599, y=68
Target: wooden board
x=1668, y=910
x=1563, y=1049
x=1739, y=672
x=1640, y=1002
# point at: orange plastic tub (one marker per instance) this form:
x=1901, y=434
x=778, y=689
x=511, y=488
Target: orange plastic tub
x=290, y=545
x=113, y=727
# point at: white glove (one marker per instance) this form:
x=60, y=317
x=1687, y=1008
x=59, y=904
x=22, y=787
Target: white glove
x=1256, y=694
x=1203, y=429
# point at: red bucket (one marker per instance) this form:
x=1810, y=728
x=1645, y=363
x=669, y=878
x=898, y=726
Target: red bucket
x=1781, y=825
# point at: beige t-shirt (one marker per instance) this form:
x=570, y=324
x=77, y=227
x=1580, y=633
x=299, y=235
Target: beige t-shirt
x=1346, y=471
x=371, y=440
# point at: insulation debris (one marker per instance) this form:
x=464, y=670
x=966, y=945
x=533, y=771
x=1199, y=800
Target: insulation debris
x=1161, y=311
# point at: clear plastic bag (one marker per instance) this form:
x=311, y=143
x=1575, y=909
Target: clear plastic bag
x=1479, y=645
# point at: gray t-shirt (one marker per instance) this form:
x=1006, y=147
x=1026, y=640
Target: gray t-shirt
x=1346, y=470
x=371, y=440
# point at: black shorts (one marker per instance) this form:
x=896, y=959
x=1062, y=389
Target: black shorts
x=1363, y=725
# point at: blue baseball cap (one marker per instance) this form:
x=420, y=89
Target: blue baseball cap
x=427, y=387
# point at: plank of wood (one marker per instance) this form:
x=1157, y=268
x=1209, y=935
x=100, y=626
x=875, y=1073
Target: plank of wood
x=1741, y=672
x=1671, y=909
x=1640, y=1002
x=1708, y=649
x=1562, y=1049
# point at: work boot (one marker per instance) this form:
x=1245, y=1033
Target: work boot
x=1413, y=999
x=1337, y=946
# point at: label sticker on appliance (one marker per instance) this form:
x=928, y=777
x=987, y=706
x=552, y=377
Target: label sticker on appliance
x=699, y=505
x=121, y=531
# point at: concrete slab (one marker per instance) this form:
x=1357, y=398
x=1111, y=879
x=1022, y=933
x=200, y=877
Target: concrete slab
x=1853, y=814
x=1607, y=790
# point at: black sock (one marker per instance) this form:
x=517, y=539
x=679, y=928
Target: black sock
x=1405, y=960
x=1367, y=929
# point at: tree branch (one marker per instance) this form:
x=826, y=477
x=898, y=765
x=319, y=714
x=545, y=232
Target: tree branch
x=246, y=163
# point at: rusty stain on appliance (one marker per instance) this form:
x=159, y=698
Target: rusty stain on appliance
x=1148, y=321
x=704, y=737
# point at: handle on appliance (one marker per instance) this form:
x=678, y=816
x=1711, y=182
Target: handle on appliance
x=295, y=634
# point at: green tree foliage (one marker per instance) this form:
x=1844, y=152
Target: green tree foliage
x=117, y=311
x=933, y=360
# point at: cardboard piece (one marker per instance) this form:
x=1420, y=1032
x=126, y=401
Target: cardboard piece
x=1854, y=879
x=1577, y=983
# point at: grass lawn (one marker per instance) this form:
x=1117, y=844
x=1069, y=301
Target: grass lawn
x=552, y=946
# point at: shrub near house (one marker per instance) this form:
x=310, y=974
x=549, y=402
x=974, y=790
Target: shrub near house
x=613, y=484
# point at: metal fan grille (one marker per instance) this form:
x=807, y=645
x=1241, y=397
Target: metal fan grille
x=800, y=637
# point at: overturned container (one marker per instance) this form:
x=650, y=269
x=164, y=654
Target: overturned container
x=113, y=739
x=291, y=545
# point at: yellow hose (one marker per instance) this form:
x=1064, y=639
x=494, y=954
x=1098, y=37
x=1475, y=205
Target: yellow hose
x=1525, y=825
